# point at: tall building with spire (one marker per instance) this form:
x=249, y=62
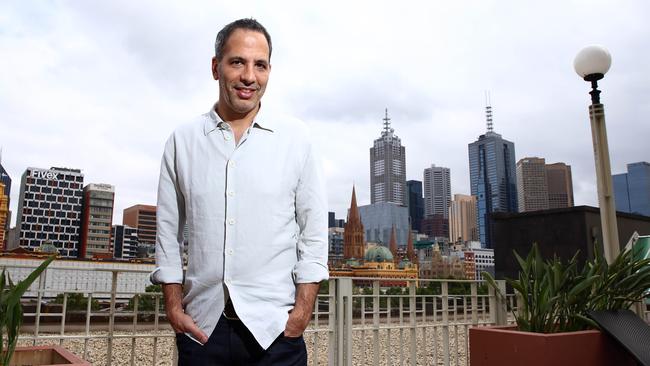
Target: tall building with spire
x=353, y=244
x=492, y=176
x=388, y=168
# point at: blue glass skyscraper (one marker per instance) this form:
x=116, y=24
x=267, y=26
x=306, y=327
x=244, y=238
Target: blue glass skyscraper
x=632, y=189
x=492, y=177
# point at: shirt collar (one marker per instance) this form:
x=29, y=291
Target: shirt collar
x=215, y=122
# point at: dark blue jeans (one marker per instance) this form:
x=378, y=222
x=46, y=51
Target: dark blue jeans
x=232, y=344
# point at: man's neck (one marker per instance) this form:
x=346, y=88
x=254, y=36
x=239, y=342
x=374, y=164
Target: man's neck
x=238, y=122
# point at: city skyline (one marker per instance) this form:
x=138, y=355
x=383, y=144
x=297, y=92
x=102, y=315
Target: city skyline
x=100, y=87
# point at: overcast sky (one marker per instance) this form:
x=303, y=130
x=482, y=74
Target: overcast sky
x=100, y=85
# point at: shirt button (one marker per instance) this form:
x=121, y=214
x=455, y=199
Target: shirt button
x=231, y=221
x=227, y=137
x=232, y=163
x=231, y=193
x=230, y=251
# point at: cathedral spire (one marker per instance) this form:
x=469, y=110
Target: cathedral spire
x=353, y=214
x=353, y=243
x=410, y=250
x=393, y=243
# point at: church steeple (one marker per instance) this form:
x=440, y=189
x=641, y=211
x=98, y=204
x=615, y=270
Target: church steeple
x=353, y=214
x=393, y=244
x=353, y=244
x=410, y=250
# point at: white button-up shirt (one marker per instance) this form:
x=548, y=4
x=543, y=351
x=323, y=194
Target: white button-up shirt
x=257, y=219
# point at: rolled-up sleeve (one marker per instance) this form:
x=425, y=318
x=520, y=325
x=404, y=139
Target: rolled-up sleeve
x=170, y=219
x=311, y=216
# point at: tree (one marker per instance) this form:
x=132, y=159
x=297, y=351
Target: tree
x=76, y=301
x=145, y=302
x=324, y=288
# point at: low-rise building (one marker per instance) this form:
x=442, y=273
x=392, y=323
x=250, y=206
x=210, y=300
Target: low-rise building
x=124, y=242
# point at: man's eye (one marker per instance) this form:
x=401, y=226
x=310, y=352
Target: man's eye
x=261, y=66
x=237, y=62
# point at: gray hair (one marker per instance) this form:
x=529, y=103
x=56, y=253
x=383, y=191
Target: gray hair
x=226, y=32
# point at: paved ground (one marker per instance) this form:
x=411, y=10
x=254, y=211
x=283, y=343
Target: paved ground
x=393, y=347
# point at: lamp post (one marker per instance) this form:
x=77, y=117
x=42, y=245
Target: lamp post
x=591, y=64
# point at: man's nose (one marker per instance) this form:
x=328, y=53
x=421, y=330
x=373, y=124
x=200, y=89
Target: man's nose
x=248, y=74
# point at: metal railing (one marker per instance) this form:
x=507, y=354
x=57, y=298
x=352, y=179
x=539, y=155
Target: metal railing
x=423, y=323
x=356, y=321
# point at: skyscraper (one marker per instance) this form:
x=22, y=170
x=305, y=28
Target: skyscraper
x=388, y=168
x=621, y=192
x=462, y=219
x=560, y=185
x=492, y=177
x=49, y=209
x=437, y=191
x=4, y=214
x=6, y=180
x=632, y=189
x=532, y=188
x=416, y=204
x=143, y=218
x=97, y=220
x=379, y=219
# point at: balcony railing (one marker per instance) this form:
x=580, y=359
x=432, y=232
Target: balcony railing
x=356, y=321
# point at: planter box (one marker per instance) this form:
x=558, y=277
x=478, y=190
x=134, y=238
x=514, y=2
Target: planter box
x=45, y=355
x=504, y=345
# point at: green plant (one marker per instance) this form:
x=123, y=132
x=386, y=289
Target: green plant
x=76, y=301
x=11, y=311
x=324, y=287
x=556, y=296
x=145, y=302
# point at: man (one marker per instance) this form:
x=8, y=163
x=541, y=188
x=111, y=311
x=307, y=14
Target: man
x=251, y=192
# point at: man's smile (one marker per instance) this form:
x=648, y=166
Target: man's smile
x=245, y=92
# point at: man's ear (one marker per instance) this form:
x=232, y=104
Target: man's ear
x=215, y=68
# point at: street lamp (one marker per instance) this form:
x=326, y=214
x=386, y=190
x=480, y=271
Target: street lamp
x=591, y=63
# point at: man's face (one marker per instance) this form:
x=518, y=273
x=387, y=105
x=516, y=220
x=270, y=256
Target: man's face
x=243, y=72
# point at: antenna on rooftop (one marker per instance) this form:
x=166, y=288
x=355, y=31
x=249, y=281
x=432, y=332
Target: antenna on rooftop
x=386, y=122
x=488, y=112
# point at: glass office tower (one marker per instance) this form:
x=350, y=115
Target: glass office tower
x=492, y=177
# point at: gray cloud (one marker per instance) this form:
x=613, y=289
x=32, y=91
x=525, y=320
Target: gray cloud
x=100, y=85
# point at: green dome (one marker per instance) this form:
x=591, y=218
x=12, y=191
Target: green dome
x=404, y=263
x=378, y=254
